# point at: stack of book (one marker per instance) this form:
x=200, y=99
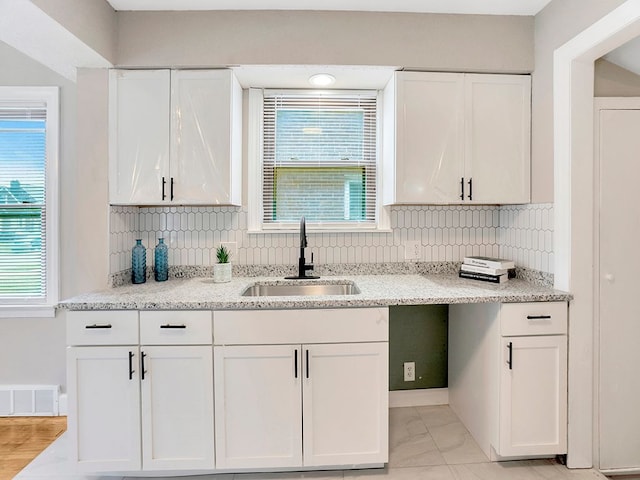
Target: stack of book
x=487, y=269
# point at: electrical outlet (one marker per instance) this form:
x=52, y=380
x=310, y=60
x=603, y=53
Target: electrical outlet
x=232, y=248
x=409, y=371
x=412, y=250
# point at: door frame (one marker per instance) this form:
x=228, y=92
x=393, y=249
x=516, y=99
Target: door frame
x=574, y=225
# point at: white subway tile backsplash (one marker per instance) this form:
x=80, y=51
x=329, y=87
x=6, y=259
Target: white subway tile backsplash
x=446, y=233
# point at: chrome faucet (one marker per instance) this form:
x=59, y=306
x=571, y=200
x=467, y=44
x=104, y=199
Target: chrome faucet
x=303, y=266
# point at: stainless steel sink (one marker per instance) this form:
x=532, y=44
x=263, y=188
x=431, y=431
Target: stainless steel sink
x=262, y=290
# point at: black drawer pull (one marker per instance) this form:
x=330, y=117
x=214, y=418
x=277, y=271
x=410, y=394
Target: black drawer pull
x=470, y=188
x=295, y=363
x=164, y=182
x=95, y=325
x=307, y=362
x=168, y=325
x=538, y=317
x=142, y=369
x=510, y=361
x=462, y=188
x=131, y=370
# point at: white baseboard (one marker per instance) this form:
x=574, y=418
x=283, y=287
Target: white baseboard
x=63, y=405
x=419, y=397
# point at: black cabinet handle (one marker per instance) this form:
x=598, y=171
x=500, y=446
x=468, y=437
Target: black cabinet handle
x=510, y=361
x=143, y=371
x=295, y=363
x=538, y=317
x=164, y=182
x=171, y=188
x=462, y=188
x=168, y=325
x=131, y=370
x=107, y=325
x=470, y=189
x=307, y=361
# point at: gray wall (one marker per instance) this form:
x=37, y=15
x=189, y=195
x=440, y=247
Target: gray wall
x=32, y=350
x=555, y=25
x=92, y=21
x=614, y=81
x=469, y=43
x=418, y=333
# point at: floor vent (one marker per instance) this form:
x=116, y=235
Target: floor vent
x=29, y=400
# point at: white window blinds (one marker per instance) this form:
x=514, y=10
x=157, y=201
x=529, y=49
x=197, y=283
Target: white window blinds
x=23, y=203
x=319, y=157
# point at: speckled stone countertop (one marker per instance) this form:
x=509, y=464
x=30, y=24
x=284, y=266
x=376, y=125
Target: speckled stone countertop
x=376, y=290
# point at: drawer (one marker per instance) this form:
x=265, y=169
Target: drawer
x=331, y=325
x=180, y=327
x=536, y=318
x=108, y=327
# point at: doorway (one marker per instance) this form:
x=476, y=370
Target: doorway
x=574, y=213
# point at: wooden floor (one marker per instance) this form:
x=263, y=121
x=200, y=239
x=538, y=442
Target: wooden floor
x=23, y=438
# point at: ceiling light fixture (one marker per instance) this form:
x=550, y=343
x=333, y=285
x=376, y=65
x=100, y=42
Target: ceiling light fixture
x=322, y=80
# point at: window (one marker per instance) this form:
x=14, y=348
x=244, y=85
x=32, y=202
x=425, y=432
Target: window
x=317, y=158
x=28, y=206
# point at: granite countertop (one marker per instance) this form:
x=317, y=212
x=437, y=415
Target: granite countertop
x=376, y=290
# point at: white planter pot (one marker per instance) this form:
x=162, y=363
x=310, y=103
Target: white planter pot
x=221, y=272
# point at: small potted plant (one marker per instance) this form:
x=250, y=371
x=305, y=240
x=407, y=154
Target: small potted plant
x=222, y=269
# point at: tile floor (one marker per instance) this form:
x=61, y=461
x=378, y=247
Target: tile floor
x=425, y=443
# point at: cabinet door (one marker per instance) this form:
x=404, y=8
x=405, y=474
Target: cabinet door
x=429, y=137
x=205, y=128
x=619, y=312
x=104, y=408
x=345, y=391
x=258, y=406
x=138, y=136
x=497, y=138
x=533, y=396
x=177, y=408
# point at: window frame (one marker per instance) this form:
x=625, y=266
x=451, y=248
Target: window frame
x=255, y=171
x=50, y=97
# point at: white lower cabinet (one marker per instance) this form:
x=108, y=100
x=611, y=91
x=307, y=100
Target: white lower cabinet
x=140, y=407
x=533, y=396
x=301, y=404
x=508, y=376
x=289, y=388
x=345, y=403
x=104, y=408
x=177, y=407
x=258, y=406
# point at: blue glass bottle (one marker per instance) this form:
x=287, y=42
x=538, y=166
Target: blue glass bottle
x=161, y=261
x=138, y=263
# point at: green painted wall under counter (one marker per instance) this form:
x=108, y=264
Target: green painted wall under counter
x=418, y=333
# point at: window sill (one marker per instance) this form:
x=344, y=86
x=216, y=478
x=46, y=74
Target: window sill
x=27, y=311
x=311, y=231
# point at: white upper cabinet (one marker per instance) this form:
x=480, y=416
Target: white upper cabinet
x=175, y=137
x=452, y=138
x=206, y=122
x=139, y=126
x=497, y=138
